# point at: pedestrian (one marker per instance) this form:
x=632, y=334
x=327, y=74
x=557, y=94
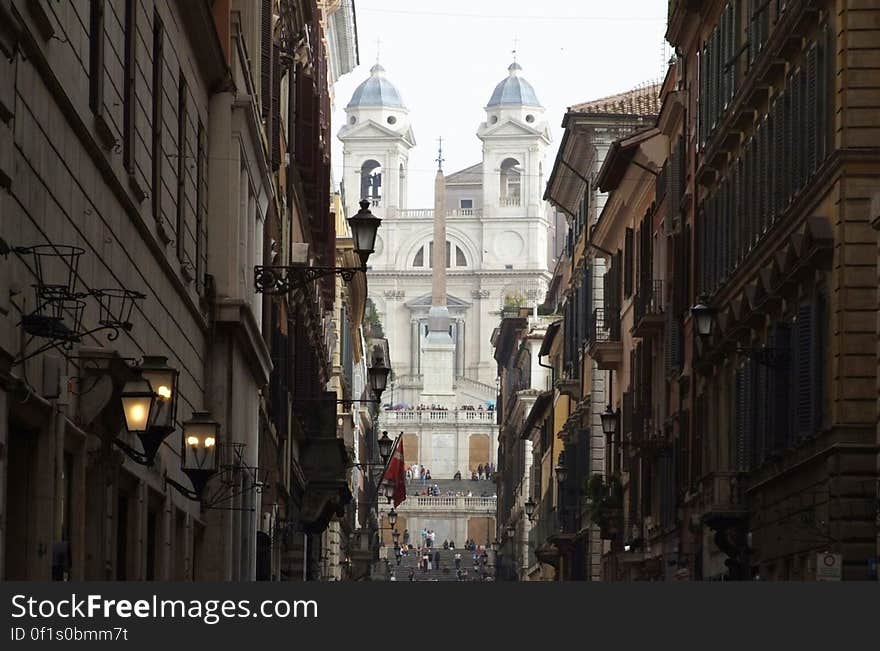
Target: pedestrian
x=457, y=561
x=424, y=535
x=480, y=471
x=406, y=537
x=437, y=559
x=412, y=574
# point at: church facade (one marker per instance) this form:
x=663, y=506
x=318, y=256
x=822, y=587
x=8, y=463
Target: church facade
x=497, y=236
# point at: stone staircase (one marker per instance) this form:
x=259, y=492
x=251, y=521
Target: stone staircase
x=446, y=571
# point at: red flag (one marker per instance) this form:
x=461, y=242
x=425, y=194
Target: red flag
x=395, y=472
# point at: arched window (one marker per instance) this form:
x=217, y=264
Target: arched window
x=371, y=181
x=511, y=174
x=427, y=252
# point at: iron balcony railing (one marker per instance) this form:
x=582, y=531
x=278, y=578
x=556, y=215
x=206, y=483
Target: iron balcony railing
x=649, y=300
x=603, y=327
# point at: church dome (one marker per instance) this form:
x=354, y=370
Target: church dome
x=376, y=92
x=514, y=91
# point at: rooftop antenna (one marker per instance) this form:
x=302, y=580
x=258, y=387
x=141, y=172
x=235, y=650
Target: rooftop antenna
x=515, y=45
x=440, y=158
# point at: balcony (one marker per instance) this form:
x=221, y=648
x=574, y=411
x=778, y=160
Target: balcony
x=445, y=504
x=603, y=339
x=431, y=416
x=649, y=317
x=724, y=499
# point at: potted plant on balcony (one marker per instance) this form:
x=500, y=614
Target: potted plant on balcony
x=605, y=503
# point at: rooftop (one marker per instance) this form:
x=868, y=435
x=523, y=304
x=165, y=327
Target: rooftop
x=644, y=101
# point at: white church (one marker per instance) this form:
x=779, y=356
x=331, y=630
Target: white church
x=439, y=321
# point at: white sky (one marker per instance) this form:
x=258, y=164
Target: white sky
x=446, y=58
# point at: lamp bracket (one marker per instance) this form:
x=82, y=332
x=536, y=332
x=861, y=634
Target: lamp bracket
x=283, y=279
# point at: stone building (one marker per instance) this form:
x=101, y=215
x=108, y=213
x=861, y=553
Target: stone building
x=150, y=135
x=584, y=304
x=498, y=239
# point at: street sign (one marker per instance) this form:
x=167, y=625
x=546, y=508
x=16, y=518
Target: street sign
x=829, y=567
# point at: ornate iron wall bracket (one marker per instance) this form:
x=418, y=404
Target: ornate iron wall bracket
x=281, y=280
x=766, y=356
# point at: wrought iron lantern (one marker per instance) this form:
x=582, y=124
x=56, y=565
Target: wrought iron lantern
x=200, y=459
x=704, y=318
x=561, y=470
x=392, y=518
x=137, y=405
x=388, y=490
x=530, y=507
x=385, y=445
x=149, y=404
x=497, y=545
x=396, y=536
x=511, y=529
x=364, y=225
x=270, y=279
x=609, y=420
x=163, y=380
x=378, y=373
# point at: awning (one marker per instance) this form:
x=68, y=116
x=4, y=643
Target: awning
x=549, y=336
x=539, y=411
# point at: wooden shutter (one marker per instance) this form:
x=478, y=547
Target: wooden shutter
x=778, y=390
x=811, y=136
x=266, y=59
x=628, y=251
x=803, y=382
x=275, y=107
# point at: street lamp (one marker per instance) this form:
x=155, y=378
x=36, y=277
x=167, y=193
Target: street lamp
x=364, y=226
x=200, y=460
x=497, y=545
x=389, y=491
x=149, y=404
x=561, y=471
x=511, y=529
x=378, y=374
x=704, y=318
x=385, y=444
x=392, y=518
x=283, y=279
x=395, y=535
x=530, y=506
x=609, y=421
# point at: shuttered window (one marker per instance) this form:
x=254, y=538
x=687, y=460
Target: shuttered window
x=629, y=262
x=788, y=146
x=266, y=59
x=157, y=125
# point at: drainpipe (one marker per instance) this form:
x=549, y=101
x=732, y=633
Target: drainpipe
x=60, y=428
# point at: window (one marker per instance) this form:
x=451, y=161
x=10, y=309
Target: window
x=466, y=204
x=201, y=205
x=428, y=250
x=96, y=56
x=182, y=156
x=128, y=89
x=158, y=63
x=392, y=119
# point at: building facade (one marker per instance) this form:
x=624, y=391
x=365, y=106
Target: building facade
x=164, y=149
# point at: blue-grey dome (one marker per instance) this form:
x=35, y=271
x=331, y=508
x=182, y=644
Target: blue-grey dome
x=376, y=92
x=514, y=91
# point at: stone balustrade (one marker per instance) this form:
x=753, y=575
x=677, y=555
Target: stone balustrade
x=439, y=416
x=445, y=504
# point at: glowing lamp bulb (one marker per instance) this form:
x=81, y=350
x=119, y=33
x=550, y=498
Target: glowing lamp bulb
x=209, y=442
x=137, y=413
x=164, y=392
x=192, y=440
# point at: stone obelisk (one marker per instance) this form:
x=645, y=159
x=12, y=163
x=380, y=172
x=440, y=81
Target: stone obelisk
x=438, y=349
